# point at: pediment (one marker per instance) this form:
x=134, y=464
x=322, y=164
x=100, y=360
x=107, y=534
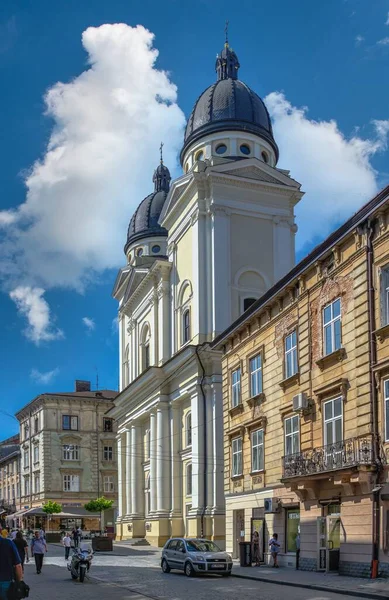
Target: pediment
x=254, y=173
x=256, y=170
x=136, y=277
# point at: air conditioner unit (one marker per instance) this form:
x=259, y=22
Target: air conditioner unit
x=300, y=402
x=271, y=505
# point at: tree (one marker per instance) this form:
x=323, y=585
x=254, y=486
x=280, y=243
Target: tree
x=51, y=508
x=99, y=505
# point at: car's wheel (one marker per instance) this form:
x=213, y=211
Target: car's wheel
x=165, y=567
x=189, y=570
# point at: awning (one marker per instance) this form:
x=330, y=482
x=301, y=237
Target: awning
x=74, y=513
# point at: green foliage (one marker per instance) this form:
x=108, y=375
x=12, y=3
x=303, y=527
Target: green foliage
x=52, y=508
x=98, y=505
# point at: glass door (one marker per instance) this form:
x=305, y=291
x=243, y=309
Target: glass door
x=321, y=543
x=333, y=433
x=333, y=536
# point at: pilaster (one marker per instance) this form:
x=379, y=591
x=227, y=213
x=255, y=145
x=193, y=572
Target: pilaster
x=153, y=462
x=163, y=460
x=128, y=472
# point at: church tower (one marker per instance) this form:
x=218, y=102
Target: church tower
x=199, y=251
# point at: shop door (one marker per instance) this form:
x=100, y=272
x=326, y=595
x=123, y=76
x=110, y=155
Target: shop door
x=238, y=530
x=259, y=526
x=328, y=542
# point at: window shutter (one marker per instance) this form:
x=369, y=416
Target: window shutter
x=384, y=304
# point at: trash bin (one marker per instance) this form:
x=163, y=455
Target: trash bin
x=245, y=554
x=101, y=544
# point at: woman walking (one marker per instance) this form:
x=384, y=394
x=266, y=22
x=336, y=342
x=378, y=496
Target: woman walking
x=22, y=547
x=274, y=549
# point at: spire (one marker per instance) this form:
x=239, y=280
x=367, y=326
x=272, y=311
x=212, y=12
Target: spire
x=227, y=63
x=161, y=177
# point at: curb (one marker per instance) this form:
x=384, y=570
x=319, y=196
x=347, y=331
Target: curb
x=312, y=586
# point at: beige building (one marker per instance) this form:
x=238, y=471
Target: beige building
x=306, y=406
x=9, y=477
x=187, y=277
x=68, y=454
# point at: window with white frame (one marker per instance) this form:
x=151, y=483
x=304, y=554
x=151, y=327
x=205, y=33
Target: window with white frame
x=26, y=486
x=385, y=296
x=36, y=454
x=186, y=326
x=189, y=479
x=109, y=483
x=386, y=400
x=332, y=327
x=237, y=457
x=108, y=453
x=69, y=422
x=71, y=483
x=36, y=484
x=292, y=435
x=257, y=450
x=333, y=421
x=70, y=452
x=291, y=366
x=256, y=375
x=26, y=459
x=235, y=387
x=188, y=428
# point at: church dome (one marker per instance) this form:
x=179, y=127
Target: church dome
x=228, y=104
x=144, y=222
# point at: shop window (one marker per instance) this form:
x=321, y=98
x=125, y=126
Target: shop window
x=292, y=528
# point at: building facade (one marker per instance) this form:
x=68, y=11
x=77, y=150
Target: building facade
x=10, y=499
x=306, y=406
x=188, y=276
x=68, y=452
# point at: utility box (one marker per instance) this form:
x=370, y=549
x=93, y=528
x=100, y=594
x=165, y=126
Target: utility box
x=245, y=554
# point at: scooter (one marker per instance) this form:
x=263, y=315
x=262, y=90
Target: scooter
x=80, y=563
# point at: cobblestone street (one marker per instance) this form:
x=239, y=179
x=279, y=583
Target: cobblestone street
x=135, y=575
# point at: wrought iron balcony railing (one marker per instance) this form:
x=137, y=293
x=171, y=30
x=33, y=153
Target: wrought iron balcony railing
x=341, y=455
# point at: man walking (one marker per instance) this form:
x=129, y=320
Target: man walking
x=67, y=542
x=10, y=566
x=38, y=549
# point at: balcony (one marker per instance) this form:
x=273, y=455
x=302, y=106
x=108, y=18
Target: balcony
x=346, y=454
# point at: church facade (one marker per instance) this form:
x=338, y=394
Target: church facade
x=200, y=249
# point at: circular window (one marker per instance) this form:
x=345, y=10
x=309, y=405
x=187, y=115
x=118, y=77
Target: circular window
x=139, y=252
x=245, y=149
x=156, y=249
x=265, y=157
x=221, y=149
x=200, y=155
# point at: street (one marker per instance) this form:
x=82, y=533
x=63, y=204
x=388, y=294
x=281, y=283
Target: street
x=135, y=575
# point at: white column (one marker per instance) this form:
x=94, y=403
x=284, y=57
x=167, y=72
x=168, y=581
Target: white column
x=120, y=477
x=176, y=463
x=128, y=472
x=218, y=447
x=197, y=451
x=153, y=462
x=136, y=471
x=163, y=458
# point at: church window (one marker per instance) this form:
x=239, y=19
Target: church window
x=221, y=149
x=139, y=252
x=186, y=326
x=156, y=249
x=247, y=302
x=200, y=155
x=245, y=149
x=265, y=157
x=147, y=356
x=188, y=429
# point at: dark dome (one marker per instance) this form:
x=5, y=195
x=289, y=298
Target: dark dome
x=144, y=222
x=228, y=104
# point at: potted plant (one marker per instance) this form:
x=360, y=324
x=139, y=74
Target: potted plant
x=100, y=505
x=51, y=508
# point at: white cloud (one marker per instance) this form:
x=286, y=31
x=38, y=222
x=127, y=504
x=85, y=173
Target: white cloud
x=115, y=325
x=107, y=126
x=359, y=39
x=336, y=173
x=46, y=377
x=383, y=42
x=89, y=323
x=31, y=305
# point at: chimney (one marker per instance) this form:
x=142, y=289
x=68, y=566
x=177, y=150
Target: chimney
x=82, y=386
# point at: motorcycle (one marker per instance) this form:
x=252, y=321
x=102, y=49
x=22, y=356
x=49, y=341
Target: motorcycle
x=80, y=563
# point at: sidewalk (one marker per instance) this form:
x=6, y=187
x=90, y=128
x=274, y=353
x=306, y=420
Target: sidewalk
x=365, y=588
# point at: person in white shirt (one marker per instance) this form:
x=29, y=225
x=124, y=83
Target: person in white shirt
x=67, y=542
x=13, y=534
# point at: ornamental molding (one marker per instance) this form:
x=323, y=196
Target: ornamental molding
x=217, y=210
x=282, y=189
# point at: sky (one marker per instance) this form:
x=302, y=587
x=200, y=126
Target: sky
x=90, y=88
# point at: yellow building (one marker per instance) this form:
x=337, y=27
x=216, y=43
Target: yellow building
x=306, y=406
x=10, y=500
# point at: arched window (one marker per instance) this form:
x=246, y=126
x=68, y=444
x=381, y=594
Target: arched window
x=126, y=367
x=247, y=302
x=186, y=326
x=188, y=428
x=145, y=346
x=147, y=494
x=189, y=479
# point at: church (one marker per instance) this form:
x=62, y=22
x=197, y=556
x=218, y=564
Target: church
x=199, y=251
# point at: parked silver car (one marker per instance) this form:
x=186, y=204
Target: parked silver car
x=195, y=556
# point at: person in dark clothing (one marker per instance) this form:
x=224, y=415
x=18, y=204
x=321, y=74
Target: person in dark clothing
x=22, y=547
x=10, y=566
x=76, y=537
x=38, y=549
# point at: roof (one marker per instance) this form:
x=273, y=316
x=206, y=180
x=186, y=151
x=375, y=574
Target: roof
x=107, y=395
x=357, y=219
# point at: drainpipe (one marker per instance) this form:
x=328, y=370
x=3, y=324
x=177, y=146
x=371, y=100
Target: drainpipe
x=202, y=518
x=374, y=401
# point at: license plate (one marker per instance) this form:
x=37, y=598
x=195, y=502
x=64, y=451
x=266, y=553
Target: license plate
x=217, y=566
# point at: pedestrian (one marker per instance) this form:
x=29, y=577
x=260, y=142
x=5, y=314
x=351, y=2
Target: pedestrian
x=75, y=537
x=10, y=566
x=22, y=547
x=42, y=533
x=13, y=534
x=297, y=550
x=256, y=548
x=79, y=534
x=38, y=549
x=274, y=549
x=67, y=542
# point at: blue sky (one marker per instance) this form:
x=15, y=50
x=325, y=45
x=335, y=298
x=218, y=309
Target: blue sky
x=330, y=57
